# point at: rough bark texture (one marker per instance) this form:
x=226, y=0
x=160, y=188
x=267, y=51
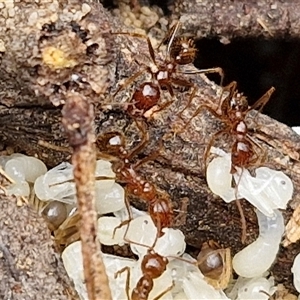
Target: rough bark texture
x=58, y=51
x=230, y=19
x=30, y=268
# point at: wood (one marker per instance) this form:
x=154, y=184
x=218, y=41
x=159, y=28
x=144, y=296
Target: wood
x=34, y=85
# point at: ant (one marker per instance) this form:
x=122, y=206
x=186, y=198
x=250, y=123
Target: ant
x=234, y=109
x=181, y=50
x=153, y=266
x=159, y=203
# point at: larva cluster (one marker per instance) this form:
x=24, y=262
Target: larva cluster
x=181, y=278
x=268, y=191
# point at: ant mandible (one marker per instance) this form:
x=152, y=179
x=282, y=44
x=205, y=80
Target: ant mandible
x=159, y=203
x=181, y=50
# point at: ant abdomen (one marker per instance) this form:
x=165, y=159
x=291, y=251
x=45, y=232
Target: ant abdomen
x=161, y=212
x=144, y=98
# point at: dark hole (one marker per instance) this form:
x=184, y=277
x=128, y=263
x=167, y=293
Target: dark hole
x=81, y=33
x=109, y=4
x=258, y=64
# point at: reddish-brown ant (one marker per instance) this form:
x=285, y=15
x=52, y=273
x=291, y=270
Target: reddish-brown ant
x=153, y=266
x=159, y=203
x=234, y=109
x=180, y=51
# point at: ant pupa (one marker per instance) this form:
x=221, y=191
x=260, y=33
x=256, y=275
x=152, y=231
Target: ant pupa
x=164, y=74
x=215, y=264
x=234, y=109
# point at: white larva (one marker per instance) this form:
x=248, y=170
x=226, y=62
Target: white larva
x=72, y=259
x=20, y=188
x=258, y=257
x=195, y=287
x=21, y=167
x=259, y=288
x=142, y=235
x=106, y=231
x=296, y=272
x=109, y=199
x=267, y=191
x=56, y=184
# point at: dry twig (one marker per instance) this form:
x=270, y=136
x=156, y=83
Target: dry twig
x=78, y=121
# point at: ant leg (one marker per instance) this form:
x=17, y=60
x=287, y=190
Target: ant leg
x=150, y=157
x=241, y=211
x=127, y=269
x=130, y=80
x=141, y=36
x=164, y=292
x=145, y=138
x=200, y=109
x=130, y=217
x=231, y=88
x=243, y=220
x=174, y=29
x=261, y=102
x=210, y=70
x=193, y=93
x=210, y=144
x=257, y=159
x=161, y=108
x=169, y=88
x=170, y=36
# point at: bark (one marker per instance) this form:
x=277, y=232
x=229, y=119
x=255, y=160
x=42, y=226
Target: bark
x=58, y=51
x=229, y=19
x=30, y=267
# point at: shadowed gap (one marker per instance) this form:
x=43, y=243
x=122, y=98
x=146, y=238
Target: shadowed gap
x=257, y=64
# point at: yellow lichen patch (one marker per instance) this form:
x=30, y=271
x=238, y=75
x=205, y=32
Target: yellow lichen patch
x=292, y=229
x=57, y=59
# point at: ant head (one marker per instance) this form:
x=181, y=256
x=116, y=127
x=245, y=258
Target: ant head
x=183, y=50
x=111, y=142
x=239, y=102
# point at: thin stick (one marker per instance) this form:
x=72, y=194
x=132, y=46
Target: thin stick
x=78, y=118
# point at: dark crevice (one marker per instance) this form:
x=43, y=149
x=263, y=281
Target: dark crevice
x=257, y=64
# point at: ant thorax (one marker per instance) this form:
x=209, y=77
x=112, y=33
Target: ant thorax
x=242, y=147
x=165, y=72
x=240, y=129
